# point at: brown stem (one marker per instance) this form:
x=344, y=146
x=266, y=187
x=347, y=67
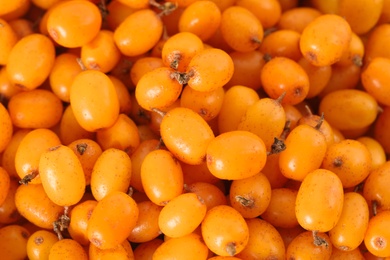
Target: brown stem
x=29, y=177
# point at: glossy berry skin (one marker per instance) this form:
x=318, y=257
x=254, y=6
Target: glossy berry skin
x=319, y=201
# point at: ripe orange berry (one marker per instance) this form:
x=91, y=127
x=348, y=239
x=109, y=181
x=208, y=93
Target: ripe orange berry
x=179, y=49
x=40, y=243
x=350, y=229
x=236, y=155
x=62, y=175
x=282, y=43
x=250, y=196
x=377, y=235
x=182, y=215
x=79, y=218
x=297, y=18
x=327, y=47
x=13, y=241
x=319, y=201
x=34, y=205
x=283, y=75
x=139, y=32
x=77, y=29
x=9, y=37
x=67, y=248
x=111, y=172
x=225, y=231
x=241, y=29
x=94, y=100
x=6, y=128
x=157, y=89
x=317, y=246
x=161, y=176
x=29, y=109
x=186, y=135
x=32, y=53
x=112, y=220
x=209, y=70
x=338, y=106
x=201, y=18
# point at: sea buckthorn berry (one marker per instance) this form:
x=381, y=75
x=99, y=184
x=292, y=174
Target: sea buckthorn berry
x=241, y=29
x=281, y=208
x=327, y=47
x=101, y=53
x=305, y=245
x=117, y=13
x=161, y=176
x=350, y=160
x=182, y=215
x=361, y=15
x=375, y=190
x=13, y=241
x=94, y=100
x=123, y=94
x=10, y=7
x=266, y=119
x=146, y=228
x=179, y=49
x=349, y=231
x=155, y=119
x=236, y=101
x=236, y=155
x=112, y=220
x=189, y=247
x=318, y=76
x=122, y=251
x=247, y=66
x=209, y=69
x=342, y=107
x=67, y=249
x=44, y=4
x=376, y=43
x=354, y=53
x=79, y=218
x=209, y=193
x=283, y=75
x=250, y=196
x=64, y=70
x=264, y=242
x=343, y=77
x=40, y=243
x=62, y=175
x=225, y=231
x=282, y=43
x=297, y=18
x=268, y=12
x=157, y=89
x=69, y=121
x=325, y=128
x=186, y=135
x=139, y=32
x=34, y=205
x=5, y=183
x=143, y=65
x=319, y=201
x=378, y=155
x=6, y=128
x=377, y=235
x=297, y=160
x=376, y=82
x=137, y=158
x=8, y=211
x=201, y=18
x=9, y=39
x=32, y=53
x=111, y=172
x=123, y=135
x=74, y=30
x=29, y=109
x=29, y=152
x=206, y=104
x=381, y=134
